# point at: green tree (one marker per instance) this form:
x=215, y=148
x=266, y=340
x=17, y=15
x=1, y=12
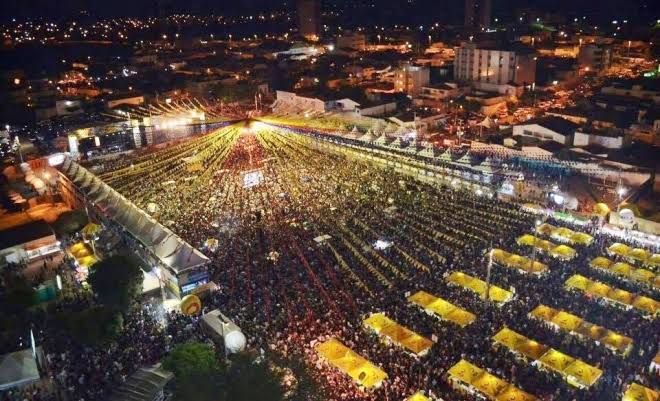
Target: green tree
x=116, y=281
x=70, y=222
x=247, y=380
x=19, y=295
x=198, y=372
x=93, y=326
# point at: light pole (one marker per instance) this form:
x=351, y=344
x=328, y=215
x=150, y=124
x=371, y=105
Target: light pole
x=488, y=269
x=621, y=192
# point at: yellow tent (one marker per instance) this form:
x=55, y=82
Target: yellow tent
x=499, y=255
x=82, y=253
x=417, y=344
x=646, y=304
x=418, y=397
x=465, y=371
x=556, y=360
x=544, y=313
x=643, y=276
x=515, y=261
x=582, y=238
x=377, y=322
x=563, y=252
x=359, y=369
x=566, y=321
x=619, y=249
x=87, y=261
x=332, y=349
x=639, y=254
x=598, y=289
x=526, y=239
x=544, y=245
x=591, y=330
x=489, y=385
x=562, y=233
x=91, y=230
x=577, y=282
x=601, y=209
x=512, y=393
x=509, y=338
x=77, y=247
x=582, y=374
x=617, y=341
x=532, y=349
x=621, y=296
x=621, y=268
x=421, y=298
x=461, y=317
x=459, y=278
x=441, y=307
x=536, y=267
x=637, y=392
x=654, y=260
x=601, y=263
x=545, y=229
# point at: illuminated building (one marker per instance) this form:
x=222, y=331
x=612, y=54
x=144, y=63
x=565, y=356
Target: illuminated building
x=494, y=66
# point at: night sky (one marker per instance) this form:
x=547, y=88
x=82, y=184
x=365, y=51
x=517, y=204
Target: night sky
x=445, y=10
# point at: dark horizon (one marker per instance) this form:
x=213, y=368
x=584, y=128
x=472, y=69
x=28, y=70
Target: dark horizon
x=446, y=11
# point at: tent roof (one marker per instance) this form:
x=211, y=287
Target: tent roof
x=170, y=249
x=17, y=369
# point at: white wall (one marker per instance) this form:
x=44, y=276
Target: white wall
x=584, y=139
x=539, y=132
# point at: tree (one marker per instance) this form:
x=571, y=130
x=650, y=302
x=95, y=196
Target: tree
x=70, y=222
x=249, y=379
x=198, y=372
x=19, y=295
x=93, y=326
x=116, y=281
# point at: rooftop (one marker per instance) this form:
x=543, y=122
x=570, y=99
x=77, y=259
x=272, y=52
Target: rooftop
x=27, y=232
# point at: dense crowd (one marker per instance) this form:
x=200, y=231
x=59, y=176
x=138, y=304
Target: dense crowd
x=289, y=289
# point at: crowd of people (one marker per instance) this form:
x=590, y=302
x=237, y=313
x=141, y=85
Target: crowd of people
x=297, y=264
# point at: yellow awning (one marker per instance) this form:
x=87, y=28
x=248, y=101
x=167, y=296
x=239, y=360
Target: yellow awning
x=465, y=372
x=646, y=304
x=637, y=392
x=544, y=313
x=418, y=397
x=532, y=349
x=617, y=341
x=509, y=338
x=514, y=394
x=566, y=321
x=556, y=360
x=526, y=239
x=639, y=254
x=583, y=373
x=359, y=369
x=489, y=385
x=601, y=263
x=578, y=282
x=619, y=249
x=563, y=252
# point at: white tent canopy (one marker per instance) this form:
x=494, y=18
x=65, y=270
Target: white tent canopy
x=169, y=248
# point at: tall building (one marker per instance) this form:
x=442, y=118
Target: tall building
x=494, y=66
x=309, y=19
x=595, y=57
x=477, y=13
x=411, y=78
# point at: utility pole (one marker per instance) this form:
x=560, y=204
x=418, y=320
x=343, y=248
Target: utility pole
x=488, y=269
